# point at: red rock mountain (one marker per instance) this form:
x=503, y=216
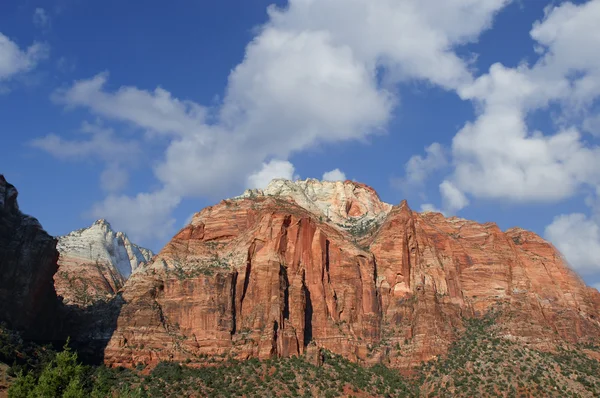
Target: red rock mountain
x=326, y=264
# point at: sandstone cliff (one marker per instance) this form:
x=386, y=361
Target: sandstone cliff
x=327, y=264
x=27, y=262
x=95, y=262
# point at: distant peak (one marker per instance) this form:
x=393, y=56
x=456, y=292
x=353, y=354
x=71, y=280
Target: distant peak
x=102, y=222
x=99, y=242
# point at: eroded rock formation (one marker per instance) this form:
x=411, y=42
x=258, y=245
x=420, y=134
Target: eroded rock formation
x=327, y=264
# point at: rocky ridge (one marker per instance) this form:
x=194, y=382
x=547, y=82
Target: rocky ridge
x=95, y=262
x=347, y=204
x=326, y=265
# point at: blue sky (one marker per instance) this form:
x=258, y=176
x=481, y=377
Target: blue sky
x=485, y=109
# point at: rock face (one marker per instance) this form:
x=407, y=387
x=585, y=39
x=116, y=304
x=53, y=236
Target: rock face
x=27, y=262
x=326, y=264
x=95, y=262
x=348, y=204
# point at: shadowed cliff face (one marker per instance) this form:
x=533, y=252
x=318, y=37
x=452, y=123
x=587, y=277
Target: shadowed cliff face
x=27, y=263
x=267, y=275
x=28, y=300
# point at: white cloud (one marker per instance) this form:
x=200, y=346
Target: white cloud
x=13, y=60
x=102, y=145
x=498, y=155
x=568, y=32
x=156, y=110
x=578, y=238
x=418, y=168
x=412, y=40
x=40, y=18
x=299, y=88
x=317, y=72
x=452, y=198
x=334, y=175
x=269, y=171
x=596, y=286
x=147, y=216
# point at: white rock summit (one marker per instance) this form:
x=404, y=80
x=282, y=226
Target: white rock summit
x=99, y=243
x=346, y=203
x=95, y=262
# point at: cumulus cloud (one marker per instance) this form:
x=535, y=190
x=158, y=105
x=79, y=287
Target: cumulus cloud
x=274, y=169
x=496, y=157
x=317, y=72
x=578, y=238
x=567, y=33
x=334, y=175
x=499, y=155
x=410, y=39
x=14, y=60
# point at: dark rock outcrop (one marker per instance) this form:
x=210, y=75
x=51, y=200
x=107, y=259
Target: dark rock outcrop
x=28, y=261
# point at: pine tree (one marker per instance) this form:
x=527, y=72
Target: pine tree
x=61, y=377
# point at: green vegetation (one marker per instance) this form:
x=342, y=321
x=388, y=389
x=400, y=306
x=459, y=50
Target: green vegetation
x=290, y=377
x=62, y=376
x=480, y=363
x=21, y=356
x=363, y=228
x=517, y=240
x=194, y=269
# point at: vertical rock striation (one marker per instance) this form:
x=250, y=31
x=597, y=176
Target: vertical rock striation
x=327, y=264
